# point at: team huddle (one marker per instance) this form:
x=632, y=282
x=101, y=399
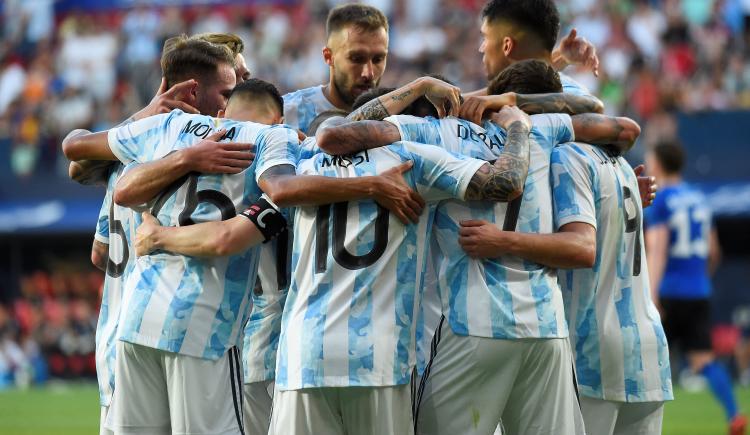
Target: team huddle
x=354, y=259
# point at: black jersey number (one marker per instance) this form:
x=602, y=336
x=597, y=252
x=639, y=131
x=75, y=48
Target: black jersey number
x=193, y=198
x=343, y=257
x=115, y=270
x=633, y=225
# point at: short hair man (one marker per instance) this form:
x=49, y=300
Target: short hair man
x=356, y=51
x=683, y=250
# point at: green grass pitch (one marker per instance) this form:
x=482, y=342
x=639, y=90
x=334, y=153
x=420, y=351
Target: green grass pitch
x=73, y=410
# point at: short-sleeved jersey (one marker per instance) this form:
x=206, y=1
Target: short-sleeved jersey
x=685, y=211
x=304, y=105
x=264, y=325
x=572, y=87
x=350, y=316
x=117, y=235
x=189, y=305
x=505, y=297
x=620, y=349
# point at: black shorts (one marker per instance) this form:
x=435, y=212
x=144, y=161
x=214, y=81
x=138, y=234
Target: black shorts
x=687, y=323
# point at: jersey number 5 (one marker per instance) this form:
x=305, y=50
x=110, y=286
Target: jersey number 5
x=343, y=257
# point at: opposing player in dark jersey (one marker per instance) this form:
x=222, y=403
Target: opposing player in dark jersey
x=683, y=250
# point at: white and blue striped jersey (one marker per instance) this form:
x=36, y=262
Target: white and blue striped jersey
x=304, y=105
x=115, y=230
x=351, y=312
x=505, y=297
x=570, y=86
x=189, y=305
x=619, y=344
x=264, y=325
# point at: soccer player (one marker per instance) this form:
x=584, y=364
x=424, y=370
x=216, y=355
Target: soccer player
x=683, y=249
x=535, y=324
x=355, y=52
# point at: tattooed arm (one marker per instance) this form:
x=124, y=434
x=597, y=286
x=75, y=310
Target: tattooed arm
x=618, y=133
x=353, y=137
x=440, y=94
x=473, y=108
x=504, y=180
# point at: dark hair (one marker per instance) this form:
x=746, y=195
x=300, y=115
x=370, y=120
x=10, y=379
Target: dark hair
x=362, y=16
x=526, y=77
x=323, y=117
x=193, y=59
x=255, y=89
x=671, y=156
x=539, y=17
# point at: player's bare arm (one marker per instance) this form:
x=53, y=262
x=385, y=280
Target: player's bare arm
x=444, y=96
x=100, y=255
x=209, y=156
x=504, y=180
x=353, y=137
x=618, y=133
x=572, y=247
x=474, y=108
x=208, y=239
x=657, y=246
x=85, y=145
x=387, y=189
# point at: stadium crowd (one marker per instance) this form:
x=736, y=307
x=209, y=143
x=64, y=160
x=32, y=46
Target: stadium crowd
x=91, y=69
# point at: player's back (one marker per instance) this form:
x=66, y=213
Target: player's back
x=114, y=228
x=193, y=305
x=356, y=271
x=505, y=297
x=684, y=210
x=619, y=343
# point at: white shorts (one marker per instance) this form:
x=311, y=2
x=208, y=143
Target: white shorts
x=605, y=417
x=158, y=392
x=475, y=383
x=257, y=407
x=103, y=421
x=343, y=411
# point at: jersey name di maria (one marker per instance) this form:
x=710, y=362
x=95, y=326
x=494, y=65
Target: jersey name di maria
x=304, y=105
x=114, y=229
x=619, y=344
x=685, y=212
x=189, y=305
x=505, y=297
x=349, y=318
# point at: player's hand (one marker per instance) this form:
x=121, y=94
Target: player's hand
x=444, y=96
x=510, y=114
x=481, y=239
x=180, y=96
x=392, y=192
x=575, y=50
x=209, y=156
x=646, y=186
x=473, y=108
x=145, y=236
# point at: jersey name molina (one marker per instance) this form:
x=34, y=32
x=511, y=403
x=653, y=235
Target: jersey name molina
x=189, y=305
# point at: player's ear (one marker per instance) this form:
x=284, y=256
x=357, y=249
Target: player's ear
x=508, y=45
x=221, y=114
x=328, y=56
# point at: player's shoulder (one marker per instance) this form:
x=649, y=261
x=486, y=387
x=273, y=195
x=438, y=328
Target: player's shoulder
x=295, y=97
x=571, y=86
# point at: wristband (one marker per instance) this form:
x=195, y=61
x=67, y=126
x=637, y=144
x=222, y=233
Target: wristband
x=266, y=217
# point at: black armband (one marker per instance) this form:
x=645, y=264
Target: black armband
x=267, y=217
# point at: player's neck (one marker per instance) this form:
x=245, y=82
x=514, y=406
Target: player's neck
x=333, y=97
